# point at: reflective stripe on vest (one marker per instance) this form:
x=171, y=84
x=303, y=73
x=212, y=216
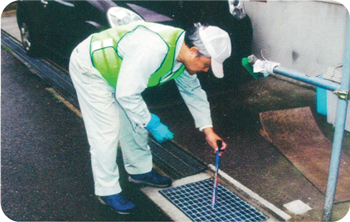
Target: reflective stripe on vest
x=106, y=60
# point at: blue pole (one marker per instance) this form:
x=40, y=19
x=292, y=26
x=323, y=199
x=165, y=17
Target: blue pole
x=323, y=83
x=339, y=133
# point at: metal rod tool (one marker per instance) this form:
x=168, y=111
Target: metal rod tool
x=217, y=158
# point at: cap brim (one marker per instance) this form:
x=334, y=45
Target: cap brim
x=217, y=69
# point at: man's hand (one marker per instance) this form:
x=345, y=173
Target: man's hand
x=212, y=137
x=159, y=131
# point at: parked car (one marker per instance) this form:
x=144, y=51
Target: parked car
x=52, y=28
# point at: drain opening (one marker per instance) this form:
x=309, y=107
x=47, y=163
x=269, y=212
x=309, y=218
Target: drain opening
x=175, y=161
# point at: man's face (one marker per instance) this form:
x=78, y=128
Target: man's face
x=198, y=64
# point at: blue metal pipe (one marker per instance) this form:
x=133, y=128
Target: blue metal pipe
x=323, y=83
x=338, y=134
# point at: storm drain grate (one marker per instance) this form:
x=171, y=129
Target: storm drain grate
x=175, y=161
x=194, y=200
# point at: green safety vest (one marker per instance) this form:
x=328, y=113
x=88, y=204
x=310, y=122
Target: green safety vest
x=107, y=61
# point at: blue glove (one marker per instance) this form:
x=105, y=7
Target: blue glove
x=159, y=131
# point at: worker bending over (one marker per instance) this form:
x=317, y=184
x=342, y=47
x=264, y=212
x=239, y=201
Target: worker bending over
x=112, y=68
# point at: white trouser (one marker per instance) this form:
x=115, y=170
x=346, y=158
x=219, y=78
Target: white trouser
x=106, y=125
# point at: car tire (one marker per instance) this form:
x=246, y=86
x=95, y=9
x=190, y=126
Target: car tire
x=29, y=41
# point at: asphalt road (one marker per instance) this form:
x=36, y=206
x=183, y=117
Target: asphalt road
x=45, y=160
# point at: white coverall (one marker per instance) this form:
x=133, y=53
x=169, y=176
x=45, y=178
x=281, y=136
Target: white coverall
x=120, y=115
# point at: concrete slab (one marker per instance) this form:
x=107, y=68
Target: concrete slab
x=297, y=207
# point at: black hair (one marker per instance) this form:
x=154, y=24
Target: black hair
x=192, y=38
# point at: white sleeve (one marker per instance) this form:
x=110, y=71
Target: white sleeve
x=195, y=98
x=142, y=54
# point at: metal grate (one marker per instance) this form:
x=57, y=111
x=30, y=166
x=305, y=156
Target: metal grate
x=195, y=201
x=175, y=161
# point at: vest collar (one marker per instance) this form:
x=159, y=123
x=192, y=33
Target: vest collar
x=179, y=43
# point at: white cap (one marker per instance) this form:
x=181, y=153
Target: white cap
x=218, y=44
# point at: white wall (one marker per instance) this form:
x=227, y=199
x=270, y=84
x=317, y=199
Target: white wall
x=307, y=36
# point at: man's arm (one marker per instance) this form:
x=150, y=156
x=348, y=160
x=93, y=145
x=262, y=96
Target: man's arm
x=197, y=102
x=195, y=99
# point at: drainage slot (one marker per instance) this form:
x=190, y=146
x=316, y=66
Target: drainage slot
x=175, y=161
